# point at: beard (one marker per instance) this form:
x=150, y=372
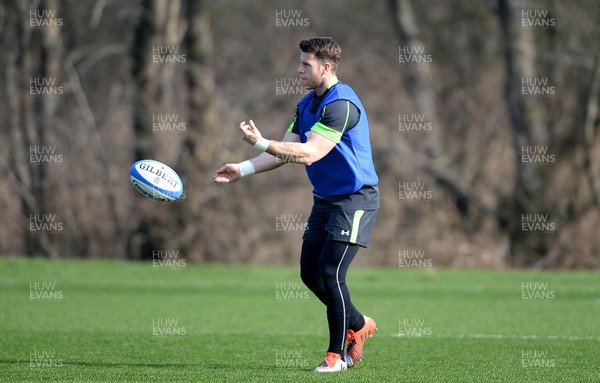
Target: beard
x=311, y=83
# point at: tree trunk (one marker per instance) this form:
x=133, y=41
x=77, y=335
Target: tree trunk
x=145, y=35
x=527, y=132
x=157, y=27
x=35, y=119
x=417, y=77
x=198, y=148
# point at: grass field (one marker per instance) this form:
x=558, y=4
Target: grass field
x=117, y=321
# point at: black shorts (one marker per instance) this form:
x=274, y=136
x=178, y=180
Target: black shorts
x=352, y=226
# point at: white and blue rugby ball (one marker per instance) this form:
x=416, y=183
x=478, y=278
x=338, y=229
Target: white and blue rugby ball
x=156, y=180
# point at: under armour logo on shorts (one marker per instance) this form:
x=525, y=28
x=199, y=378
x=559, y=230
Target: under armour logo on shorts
x=345, y=232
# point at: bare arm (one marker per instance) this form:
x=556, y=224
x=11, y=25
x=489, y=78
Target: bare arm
x=306, y=153
x=261, y=163
x=313, y=150
x=268, y=161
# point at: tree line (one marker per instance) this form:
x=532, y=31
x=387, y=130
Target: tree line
x=484, y=123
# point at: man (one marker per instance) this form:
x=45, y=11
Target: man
x=330, y=136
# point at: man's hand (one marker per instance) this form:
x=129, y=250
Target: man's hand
x=251, y=133
x=228, y=173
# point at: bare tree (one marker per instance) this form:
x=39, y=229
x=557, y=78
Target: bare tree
x=32, y=119
x=418, y=79
x=198, y=147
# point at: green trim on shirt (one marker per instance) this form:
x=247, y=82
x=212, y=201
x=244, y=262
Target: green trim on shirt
x=291, y=128
x=347, y=116
x=327, y=132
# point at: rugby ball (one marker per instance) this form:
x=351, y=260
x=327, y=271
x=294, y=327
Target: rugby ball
x=155, y=180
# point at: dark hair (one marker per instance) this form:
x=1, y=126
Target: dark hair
x=324, y=48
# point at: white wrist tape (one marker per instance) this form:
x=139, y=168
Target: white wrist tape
x=246, y=168
x=262, y=144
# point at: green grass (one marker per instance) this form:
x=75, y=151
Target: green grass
x=232, y=328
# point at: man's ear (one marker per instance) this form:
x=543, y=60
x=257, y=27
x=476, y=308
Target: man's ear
x=325, y=67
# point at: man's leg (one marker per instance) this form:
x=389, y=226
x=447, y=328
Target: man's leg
x=335, y=259
x=309, y=268
x=345, y=322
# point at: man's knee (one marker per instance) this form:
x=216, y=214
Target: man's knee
x=329, y=274
x=309, y=277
